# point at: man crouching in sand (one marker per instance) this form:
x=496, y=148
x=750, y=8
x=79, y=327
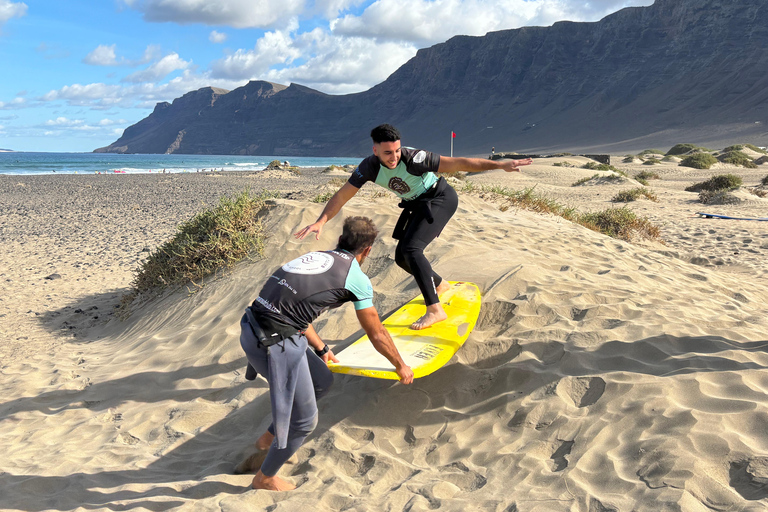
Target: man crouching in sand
x=276, y=331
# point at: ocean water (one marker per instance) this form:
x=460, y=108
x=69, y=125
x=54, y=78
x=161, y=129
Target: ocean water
x=109, y=163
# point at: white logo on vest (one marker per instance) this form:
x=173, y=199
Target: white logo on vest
x=310, y=264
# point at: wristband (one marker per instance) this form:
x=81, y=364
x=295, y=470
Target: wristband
x=323, y=351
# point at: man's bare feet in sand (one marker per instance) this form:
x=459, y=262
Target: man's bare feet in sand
x=265, y=441
x=435, y=314
x=271, y=483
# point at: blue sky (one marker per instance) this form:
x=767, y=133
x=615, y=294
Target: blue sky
x=76, y=73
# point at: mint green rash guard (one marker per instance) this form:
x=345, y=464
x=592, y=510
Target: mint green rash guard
x=414, y=174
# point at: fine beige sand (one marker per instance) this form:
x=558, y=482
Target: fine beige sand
x=602, y=375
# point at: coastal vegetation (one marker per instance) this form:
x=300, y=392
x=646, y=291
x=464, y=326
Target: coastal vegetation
x=626, y=196
x=621, y=223
x=644, y=176
x=213, y=239
x=602, y=167
x=699, y=161
x=736, y=157
x=719, y=182
x=684, y=149
x=610, y=177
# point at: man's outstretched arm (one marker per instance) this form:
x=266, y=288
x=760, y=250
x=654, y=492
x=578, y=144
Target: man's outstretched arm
x=382, y=342
x=461, y=164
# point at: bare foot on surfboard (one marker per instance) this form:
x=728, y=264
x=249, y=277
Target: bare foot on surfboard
x=435, y=314
x=271, y=483
x=443, y=287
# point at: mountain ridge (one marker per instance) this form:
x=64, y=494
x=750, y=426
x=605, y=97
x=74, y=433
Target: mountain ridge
x=678, y=69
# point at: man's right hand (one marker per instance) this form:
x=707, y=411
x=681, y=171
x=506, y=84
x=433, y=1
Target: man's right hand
x=405, y=373
x=317, y=227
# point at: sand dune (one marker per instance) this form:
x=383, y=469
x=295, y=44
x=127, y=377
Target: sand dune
x=602, y=375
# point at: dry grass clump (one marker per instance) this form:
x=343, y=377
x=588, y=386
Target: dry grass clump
x=699, y=161
x=211, y=240
x=715, y=183
x=615, y=222
x=610, y=177
x=620, y=223
x=626, y=196
x=643, y=177
x=602, y=167
x=736, y=157
x=563, y=164
x=683, y=149
x=717, y=197
x=764, y=182
x=652, y=161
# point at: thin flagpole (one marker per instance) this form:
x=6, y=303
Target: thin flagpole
x=451, y=144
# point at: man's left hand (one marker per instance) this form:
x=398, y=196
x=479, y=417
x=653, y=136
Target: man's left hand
x=512, y=165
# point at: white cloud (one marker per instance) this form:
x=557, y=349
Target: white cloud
x=63, y=121
x=271, y=49
x=14, y=103
x=343, y=65
x=433, y=21
x=112, y=122
x=103, y=55
x=10, y=10
x=233, y=13
x=217, y=37
x=159, y=69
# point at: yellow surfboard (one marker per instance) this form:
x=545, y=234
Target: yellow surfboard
x=424, y=351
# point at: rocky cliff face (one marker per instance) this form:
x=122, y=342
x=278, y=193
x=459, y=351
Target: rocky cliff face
x=644, y=76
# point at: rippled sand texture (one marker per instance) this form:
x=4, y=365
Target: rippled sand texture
x=602, y=375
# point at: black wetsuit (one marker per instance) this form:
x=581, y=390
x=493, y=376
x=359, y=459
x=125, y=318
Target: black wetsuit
x=291, y=299
x=428, y=204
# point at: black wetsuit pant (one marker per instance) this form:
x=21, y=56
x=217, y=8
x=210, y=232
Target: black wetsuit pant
x=419, y=232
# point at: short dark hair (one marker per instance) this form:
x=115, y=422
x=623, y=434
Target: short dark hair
x=385, y=133
x=357, y=234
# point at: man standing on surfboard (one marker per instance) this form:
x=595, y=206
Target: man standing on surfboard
x=428, y=203
x=276, y=331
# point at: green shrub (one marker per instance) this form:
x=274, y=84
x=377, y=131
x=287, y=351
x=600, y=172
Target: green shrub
x=735, y=147
x=563, y=164
x=764, y=181
x=629, y=159
x=626, y=196
x=699, y=161
x=651, y=152
x=600, y=167
x=720, y=182
x=647, y=175
x=755, y=148
x=323, y=197
x=212, y=239
x=682, y=149
x=737, y=158
x=652, y=161
x=619, y=223
x=668, y=158
x=584, y=180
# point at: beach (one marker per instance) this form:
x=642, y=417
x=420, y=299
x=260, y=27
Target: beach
x=602, y=374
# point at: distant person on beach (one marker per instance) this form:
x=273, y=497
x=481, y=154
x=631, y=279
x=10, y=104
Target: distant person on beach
x=428, y=203
x=281, y=344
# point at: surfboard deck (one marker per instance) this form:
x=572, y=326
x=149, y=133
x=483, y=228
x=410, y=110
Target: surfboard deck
x=424, y=351
x=714, y=216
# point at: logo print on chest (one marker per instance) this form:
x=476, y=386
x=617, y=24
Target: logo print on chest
x=398, y=185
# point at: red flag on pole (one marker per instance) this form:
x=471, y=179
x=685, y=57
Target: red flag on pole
x=453, y=135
